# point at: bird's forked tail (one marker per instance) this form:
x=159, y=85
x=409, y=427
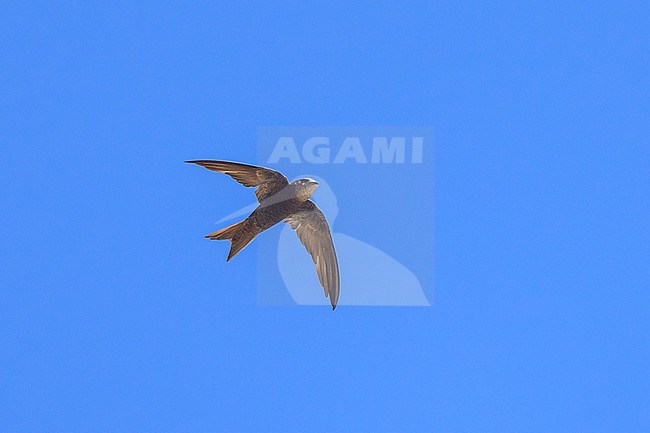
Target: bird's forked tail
x=237, y=236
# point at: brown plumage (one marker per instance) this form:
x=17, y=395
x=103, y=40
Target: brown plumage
x=280, y=200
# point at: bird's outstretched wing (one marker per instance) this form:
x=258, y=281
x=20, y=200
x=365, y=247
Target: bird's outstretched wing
x=314, y=233
x=267, y=181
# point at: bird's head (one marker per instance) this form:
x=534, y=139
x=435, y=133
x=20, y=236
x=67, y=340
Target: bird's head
x=305, y=188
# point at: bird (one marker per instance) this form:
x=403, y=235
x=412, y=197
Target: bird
x=281, y=200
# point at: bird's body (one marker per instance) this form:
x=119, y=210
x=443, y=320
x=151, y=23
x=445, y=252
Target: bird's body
x=279, y=201
x=265, y=216
x=271, y=212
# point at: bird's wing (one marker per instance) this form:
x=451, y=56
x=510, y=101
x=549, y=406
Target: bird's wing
x=314, y=233
x=267, y=181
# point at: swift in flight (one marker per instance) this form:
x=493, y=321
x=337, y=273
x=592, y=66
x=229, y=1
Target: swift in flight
x=280, y=200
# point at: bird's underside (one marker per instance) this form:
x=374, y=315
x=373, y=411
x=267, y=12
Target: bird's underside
x=277, y=203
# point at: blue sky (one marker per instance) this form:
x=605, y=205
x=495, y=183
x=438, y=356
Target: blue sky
x=116, y=315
